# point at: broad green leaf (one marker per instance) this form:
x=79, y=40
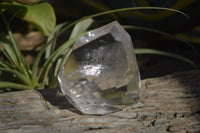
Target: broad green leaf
x=41, y=16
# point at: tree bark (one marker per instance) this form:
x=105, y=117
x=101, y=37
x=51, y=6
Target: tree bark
x=169, y=104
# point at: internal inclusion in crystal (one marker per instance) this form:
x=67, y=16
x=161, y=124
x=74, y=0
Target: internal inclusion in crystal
x=98, y=77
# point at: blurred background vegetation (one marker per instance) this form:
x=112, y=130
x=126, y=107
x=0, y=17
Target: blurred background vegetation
x=31, y=41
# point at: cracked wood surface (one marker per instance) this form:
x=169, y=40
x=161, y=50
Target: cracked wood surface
x=170, y=104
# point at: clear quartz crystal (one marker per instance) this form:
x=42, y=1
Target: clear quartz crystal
x=101, y=73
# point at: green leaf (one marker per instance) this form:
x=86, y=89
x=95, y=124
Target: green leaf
x=18, y=75
x=66, y=53
x=81, y=27
x=163, y=33
x=4, y=65
x=78, y=29
x=41, y=16
x=48, y=64
x=4, y=84
x=66, y=47
x=8, y=50
x=36, y=63
x=172, y=55
x=52, y=39
x=120, y=10
x=20, y=62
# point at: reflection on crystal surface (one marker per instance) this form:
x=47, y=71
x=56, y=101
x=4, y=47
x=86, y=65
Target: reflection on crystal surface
x=101, y=73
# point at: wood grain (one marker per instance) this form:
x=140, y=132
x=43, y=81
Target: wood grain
x=169, y=104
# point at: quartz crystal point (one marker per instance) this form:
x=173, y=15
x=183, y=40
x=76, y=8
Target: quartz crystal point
x=101, y=73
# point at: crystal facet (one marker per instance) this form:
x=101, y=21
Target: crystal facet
x=101, y=73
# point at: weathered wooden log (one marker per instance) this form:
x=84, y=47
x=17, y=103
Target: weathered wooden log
x=170, y=104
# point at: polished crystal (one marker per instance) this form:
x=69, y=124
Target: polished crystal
x=101, y=73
